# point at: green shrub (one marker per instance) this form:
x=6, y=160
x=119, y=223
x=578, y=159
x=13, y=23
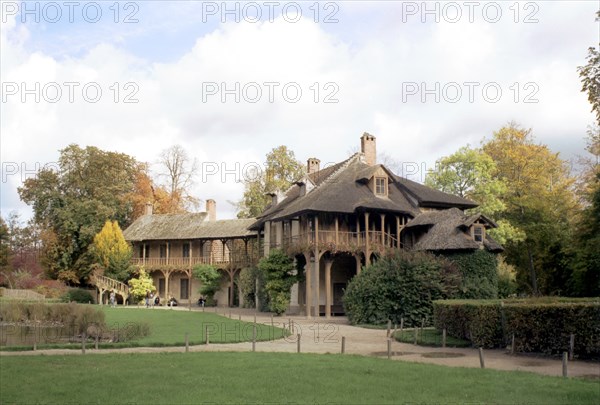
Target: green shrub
x=400, y=285
x=479, y=271
x=210, y=280
x=279, y=274
x=539, y=325
x=78, y=295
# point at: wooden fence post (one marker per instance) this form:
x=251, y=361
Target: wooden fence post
x=206, y=334
x=272, y=329
x=512, y=344
x=481, y=359
x=564, y=364
x=343, y=344
x=572, y=346
x=298, y=348
x=389, y=348
x=83, y=337
x=444, y=337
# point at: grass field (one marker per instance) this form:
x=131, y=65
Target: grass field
x=168, y=328
x=172, y=378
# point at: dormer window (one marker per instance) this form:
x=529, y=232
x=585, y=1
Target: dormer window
x=478, y=233
x=381, y=186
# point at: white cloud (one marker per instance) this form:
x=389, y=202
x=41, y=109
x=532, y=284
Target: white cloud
x=369, y=55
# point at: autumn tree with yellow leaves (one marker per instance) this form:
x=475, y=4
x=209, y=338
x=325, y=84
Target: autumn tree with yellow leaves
x=112, y=252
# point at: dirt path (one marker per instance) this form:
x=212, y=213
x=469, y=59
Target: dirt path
x=321, y=336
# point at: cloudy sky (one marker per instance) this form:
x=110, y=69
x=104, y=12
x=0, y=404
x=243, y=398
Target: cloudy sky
x=229, y=81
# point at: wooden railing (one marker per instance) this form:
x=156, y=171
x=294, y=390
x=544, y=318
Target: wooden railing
x=339, y=241
x=240, y=259
x=104, y=283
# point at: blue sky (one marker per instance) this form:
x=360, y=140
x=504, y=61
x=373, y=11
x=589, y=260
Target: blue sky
x=423, y=87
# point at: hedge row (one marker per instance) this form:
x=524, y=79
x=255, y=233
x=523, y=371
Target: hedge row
x=539, y=325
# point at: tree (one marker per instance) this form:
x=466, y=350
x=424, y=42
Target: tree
x=281, y=170
x=590, y=77
x=280, y=275
x=4, y=253
x=586, y=280
x=210, y=280
x=471, y=173
x=140, y=285
x=540, y=201
x=71, y=204
x=112, y=251
x=178, y=171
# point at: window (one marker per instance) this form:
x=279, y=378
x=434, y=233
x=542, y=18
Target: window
x=184, y=289
x=380, y=186
x=185, y=250
x=144, y=251
x=163, y=251
x=478, y=232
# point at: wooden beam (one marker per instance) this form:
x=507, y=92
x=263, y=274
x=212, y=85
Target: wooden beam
x=317, y=276
x=382, y=229
x=367, y=242
x=328, y=287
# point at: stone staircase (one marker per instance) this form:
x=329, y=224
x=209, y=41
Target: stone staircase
x=106, y=284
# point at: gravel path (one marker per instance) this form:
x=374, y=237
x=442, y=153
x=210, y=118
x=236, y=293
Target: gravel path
x=325, y=336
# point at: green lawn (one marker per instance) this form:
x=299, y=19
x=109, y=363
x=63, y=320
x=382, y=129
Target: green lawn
x=175, y=378
x=168, y=327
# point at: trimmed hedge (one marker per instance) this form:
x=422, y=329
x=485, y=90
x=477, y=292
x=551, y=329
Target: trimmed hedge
x=539, y=325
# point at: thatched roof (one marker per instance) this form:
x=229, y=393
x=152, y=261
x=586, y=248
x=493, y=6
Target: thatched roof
x=186, y=227
x=428, y=197
x=447, y=230
x=343, y=188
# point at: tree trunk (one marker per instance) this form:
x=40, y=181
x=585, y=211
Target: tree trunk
x=534, y=285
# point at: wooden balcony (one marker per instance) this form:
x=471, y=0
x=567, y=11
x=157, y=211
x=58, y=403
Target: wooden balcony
x=352, y=242
x=235, y=259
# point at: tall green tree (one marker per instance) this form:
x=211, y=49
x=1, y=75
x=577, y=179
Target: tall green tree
x=540, y=201
x=72, y=203
x=281, y=170
x=472, y=174
x=590, y=77
x=112, y=251
x=5, y=253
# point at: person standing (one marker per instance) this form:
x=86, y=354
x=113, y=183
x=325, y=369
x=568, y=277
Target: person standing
x=112, y=299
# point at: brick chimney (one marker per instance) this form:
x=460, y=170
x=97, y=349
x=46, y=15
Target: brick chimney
x=368, y=148
x=313, y=165
x=211, y=210
x=148, y=210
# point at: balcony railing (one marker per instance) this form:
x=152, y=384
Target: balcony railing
x=240, y=259
x=339, y=241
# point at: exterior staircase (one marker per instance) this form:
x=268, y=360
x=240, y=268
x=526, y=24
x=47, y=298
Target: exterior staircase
x=106, y=284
